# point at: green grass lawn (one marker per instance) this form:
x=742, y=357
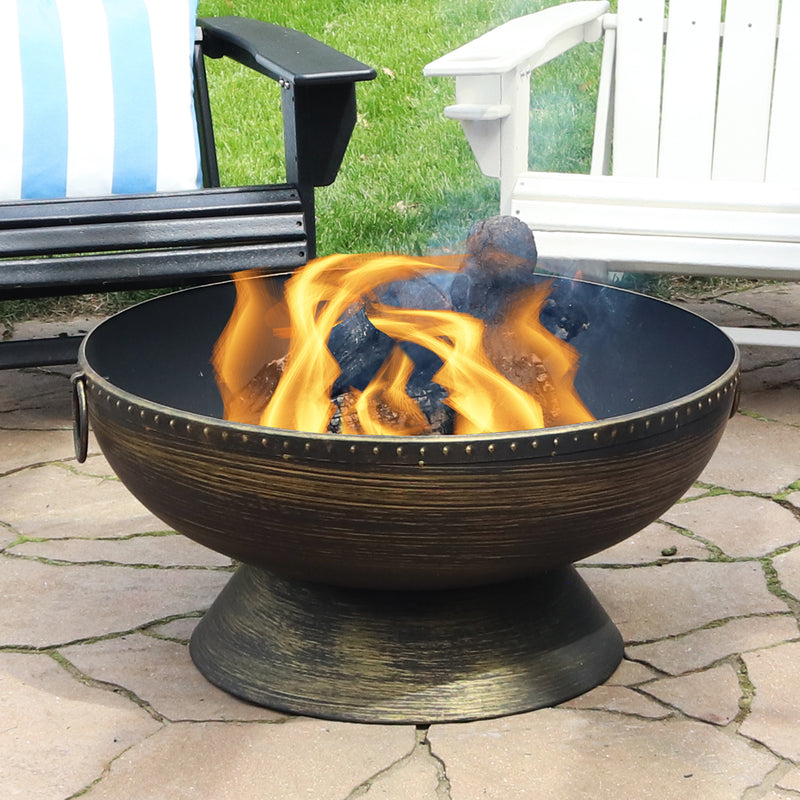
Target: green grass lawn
x=409, y=182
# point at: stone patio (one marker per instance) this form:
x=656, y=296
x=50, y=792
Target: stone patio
x=99, y=698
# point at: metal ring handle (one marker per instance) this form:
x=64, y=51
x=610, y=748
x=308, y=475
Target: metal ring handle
x=736, y=397
x=80, y=416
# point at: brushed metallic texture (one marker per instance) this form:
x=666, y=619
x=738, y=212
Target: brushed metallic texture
x=422, y=657
x=399, y=525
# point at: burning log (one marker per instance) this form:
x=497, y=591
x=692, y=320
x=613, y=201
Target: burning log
x=501, y=259
x=434, y=417
x=248, y=403
x=401, y=356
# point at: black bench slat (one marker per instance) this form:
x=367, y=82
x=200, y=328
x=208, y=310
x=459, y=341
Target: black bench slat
x=237, y=200
x=44, y=352
x=143, y=269
x=77, y=246
x=151, y=234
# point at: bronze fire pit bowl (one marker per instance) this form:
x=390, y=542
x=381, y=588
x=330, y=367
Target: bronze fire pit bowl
x=412, y=579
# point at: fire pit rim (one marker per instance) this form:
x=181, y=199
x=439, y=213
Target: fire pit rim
x=424, y=450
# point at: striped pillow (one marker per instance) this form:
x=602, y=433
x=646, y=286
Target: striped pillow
x=97, y=98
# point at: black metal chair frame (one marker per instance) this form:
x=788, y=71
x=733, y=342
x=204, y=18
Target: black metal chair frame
x=177, y=239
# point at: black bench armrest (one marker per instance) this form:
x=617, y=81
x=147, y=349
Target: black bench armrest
x=281, y=53
x=319, y=108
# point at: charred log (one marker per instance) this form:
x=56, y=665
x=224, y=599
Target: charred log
x=247, y=404
x=500, y=262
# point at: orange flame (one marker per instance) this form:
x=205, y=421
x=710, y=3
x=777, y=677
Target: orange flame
x=260, y=382
x=385, y=398
x=482, y=398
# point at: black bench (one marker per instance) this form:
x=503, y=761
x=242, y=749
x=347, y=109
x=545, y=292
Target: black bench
x=122, y=242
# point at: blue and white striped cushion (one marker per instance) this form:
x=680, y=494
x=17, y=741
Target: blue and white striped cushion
x=97, y=98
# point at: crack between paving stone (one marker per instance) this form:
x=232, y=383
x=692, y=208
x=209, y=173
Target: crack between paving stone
x=718, y=556
x=106, y=770
x=46, y=649
x=716, y=623
x=729, y=658
x=773, y=321
x=714, y=490
x=108, y=686
x=443, y=786
x=367, y=784
x=748, y=692
x=120, y=690
x=15, y=429
x=770, y=783
x=775, y=587
x=420, y=751
x=57, y=562
x=69, y=466
x=758, y=745
x=761, y=418
x=768, y=364
x=746, y=689
x=38, y=465
x=11, y=529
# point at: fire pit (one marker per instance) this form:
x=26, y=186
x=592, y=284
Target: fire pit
x=408, y=578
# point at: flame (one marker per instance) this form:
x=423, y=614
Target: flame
x=483, y=399
x=261, y=382
x=385, y=398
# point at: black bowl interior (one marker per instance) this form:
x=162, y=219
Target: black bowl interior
x=636, y=353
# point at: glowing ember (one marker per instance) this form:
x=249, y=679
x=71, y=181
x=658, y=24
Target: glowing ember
x=508, y=374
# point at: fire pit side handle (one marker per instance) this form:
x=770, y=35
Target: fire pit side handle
x=80, y=416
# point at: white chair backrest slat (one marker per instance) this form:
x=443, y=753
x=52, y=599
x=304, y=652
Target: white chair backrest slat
x=603, y=121
x=783, y=151
x=745, y=90
x=690, y=88
x=640, y=32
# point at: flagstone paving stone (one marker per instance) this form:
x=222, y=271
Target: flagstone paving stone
x=7, y=536
x=171, y=550
x=44, y=605
x=178, y=629
x=161, y=674
x=35, y=400
x=779, y=301
x=788, y=568
x=780, y=405
x=656, y=542
x=790, y=781
x=301, y=758
x=53, y=501
x=653, y=602
x=99, y=697
x=57, y=734
x=712, y=695
x=17, y=447
x=754, y=455
x=629, y=673
x=775, y=709
x=557, y=753
x=620, y=699
x=721, y=313
x=702, y=648
x=740, y=526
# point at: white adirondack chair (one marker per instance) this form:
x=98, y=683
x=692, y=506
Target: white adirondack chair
x=696, y=158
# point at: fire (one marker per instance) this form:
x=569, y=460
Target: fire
x=512, y=375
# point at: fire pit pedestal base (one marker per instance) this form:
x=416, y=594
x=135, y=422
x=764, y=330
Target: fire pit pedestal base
x=406, y=656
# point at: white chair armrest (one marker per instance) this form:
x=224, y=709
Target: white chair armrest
x=530, y=40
